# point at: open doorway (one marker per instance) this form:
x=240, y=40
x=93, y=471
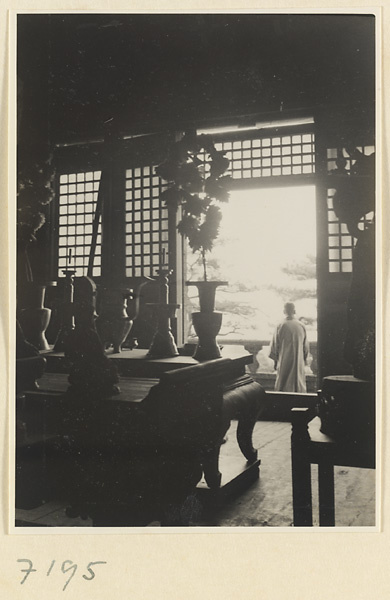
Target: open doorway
x=266, y=250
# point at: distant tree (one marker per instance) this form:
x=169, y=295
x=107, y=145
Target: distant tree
x=303, y=270
x=293, y=293
x=228, y=305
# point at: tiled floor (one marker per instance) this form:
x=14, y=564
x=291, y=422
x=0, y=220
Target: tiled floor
x=268, y=502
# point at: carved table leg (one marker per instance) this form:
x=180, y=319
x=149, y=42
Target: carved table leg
x=243, y=400
x=245, y=428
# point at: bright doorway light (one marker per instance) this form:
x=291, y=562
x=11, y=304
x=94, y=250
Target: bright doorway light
x=267, y=252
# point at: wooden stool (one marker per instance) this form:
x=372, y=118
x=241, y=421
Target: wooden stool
x=343, y=434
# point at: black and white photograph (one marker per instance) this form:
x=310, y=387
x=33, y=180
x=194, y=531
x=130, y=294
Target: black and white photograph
x=198, y=271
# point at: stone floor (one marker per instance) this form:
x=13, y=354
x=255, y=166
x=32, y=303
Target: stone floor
x=267, y=502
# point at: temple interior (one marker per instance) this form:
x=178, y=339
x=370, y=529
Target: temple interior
x=195, y=279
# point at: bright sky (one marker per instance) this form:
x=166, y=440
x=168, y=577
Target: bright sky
x=264, y=230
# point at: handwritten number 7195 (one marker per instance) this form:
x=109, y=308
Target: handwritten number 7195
x=68, y=566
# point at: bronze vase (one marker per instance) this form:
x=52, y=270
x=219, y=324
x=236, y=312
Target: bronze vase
x=207, y=322
x=34, y=318
x=207, y=326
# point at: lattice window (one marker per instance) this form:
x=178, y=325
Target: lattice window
x=77, y=202
x=146, y=223
x=340, y=242
x=271, y=156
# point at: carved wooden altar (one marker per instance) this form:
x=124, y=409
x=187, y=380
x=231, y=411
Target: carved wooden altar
x=136, y=457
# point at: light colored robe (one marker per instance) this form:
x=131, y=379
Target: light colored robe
x=290, y=349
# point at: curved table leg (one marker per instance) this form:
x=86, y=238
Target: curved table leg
x=244, y=400
x=245, y=428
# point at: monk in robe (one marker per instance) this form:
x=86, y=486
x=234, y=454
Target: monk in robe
x=289, y=351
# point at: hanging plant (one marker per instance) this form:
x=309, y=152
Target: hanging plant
x=34, y=193
x=354, y=195
x=198, y=185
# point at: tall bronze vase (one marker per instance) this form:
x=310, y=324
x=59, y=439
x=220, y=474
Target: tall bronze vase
x=207, y=322
x=35, y=317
